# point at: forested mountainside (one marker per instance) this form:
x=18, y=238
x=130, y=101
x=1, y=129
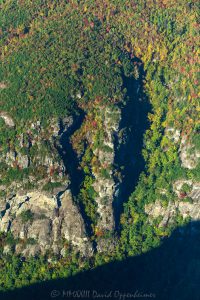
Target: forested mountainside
x=99, y=132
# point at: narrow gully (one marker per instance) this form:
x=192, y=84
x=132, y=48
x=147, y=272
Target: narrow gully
x=128, y=154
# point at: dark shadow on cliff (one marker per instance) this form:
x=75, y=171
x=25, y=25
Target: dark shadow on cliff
x=71, y=160
x=169, y=272
x=67, y=153
x=134, y=123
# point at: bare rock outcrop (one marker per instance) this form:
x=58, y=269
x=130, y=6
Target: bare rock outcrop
x=189, y=155
x=7, y=119
x=173, y=134
x=104, y=183
x=182, y=206
x=72, y=224
x=3, y=85
x=39, y=222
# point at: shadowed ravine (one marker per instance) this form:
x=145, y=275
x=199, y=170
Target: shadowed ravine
x=128, y=144
x=134, y=123
x=166, y=273
x=68, y=154
x=71, y=161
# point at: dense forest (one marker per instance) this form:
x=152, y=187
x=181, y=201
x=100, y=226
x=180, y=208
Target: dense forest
x=125, y=73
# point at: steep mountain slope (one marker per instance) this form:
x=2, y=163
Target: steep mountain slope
x=99, y=131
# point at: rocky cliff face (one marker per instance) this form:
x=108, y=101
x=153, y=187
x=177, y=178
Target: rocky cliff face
x=189, y=155
x=187, y=204
x=38, y=209
x=98, y=134
x=30, y=158
x=41, y=222
x=105, y=184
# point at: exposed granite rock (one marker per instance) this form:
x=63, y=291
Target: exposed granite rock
x=41, y=220
x=7, y=249
x=10, y=158
x=188, y=154
x=105, y=185
x=7, y=119
x=185, y=208
x=194, y=186
x=3, y=85
x=73, y=227
x=173, y=134
x=156, y=210
x=45, y=220
x=105, y=189
x=54, y=217
x=23, y=161
x=35, y=148
x=106, y=244
x=178, y=184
